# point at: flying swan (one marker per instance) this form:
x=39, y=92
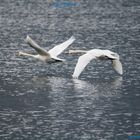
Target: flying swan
x=48, y=56
x=96, y=54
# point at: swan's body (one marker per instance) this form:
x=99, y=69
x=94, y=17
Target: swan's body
x=96, y=54
x=48, y=56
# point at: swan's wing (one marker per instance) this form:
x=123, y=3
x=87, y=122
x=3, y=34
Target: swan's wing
x=35, y=46
x=61, y=47
x=82, y=63
x=117, y=66
x=115, y=61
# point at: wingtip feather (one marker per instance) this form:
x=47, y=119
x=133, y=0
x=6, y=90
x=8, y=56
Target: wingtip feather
x=73, y=38
x=74, y=76
x=27, y=38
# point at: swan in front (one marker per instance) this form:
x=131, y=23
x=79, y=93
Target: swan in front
x=96, y=54
x=47, y=56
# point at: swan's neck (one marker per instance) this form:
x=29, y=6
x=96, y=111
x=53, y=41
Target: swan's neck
x=77, y=51
x=27, y=54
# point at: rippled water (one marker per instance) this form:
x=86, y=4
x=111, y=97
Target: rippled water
x=40, y=101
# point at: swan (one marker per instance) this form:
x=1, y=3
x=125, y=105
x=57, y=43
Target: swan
x=47, y=56
x=96, y=54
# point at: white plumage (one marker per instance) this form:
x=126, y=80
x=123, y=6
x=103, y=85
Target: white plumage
x=97, y=54
x=47, y=56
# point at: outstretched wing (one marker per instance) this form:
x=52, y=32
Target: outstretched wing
x=61, y=47
x=117, y=66
x=115, y=61
x=82, y=63
x=35, y=46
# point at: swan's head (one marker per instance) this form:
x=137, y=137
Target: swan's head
x=18, y=53
x=115, y=55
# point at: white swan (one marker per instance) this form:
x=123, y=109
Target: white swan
x=48, y=56
x=96, y=54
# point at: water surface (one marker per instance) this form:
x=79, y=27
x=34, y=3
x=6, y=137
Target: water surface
x=40, y=101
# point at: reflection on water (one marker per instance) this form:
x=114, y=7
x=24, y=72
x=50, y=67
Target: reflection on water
x=42, y=101
x=85, y=110
x=53, y=112
x=102, y=87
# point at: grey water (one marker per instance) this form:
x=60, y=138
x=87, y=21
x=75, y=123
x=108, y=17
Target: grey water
x=41, y=101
